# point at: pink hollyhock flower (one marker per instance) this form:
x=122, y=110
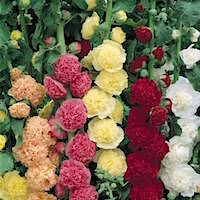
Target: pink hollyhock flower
x=84, y=193
x=56, y=131
x=66, y=68
x=80, y=148
x=74, y=174
x=81, y=85
x=60, y=190
x=60, y=147
x=72, y=114
x=54, y=89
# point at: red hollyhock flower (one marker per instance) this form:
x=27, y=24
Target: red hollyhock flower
x=158, y=53
x=158, y=116
x=141, y=136
x=139, y=8
x=144, y=34
x=139, y=165
x=168, y=104
x=166, y=80
x=145, y=93
x=158, y=148
x=85, y=48
x=146, y=189
x=138, y=63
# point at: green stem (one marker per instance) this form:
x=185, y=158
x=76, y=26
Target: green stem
x=110, y=192
x=108, y=18
x=70, y=135
x=23, y=26
x=61, y=38
x=178, y=49
x=134, y=24
x=151, y=26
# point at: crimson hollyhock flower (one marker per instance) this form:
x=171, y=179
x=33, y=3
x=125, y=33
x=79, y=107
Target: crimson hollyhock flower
x=167, y=80
x=138, y=63
x=145, y=93
x=168, y=105
x=139, y=8
x=158, y=53
x=144, y=34
x=158, y=116
x=85, y=48
x=140, y=165
x=146, y=188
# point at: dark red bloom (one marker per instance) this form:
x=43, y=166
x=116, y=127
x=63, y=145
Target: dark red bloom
x=141, y=136
x=144, y=34
x=168, y=104
x=146, y=189
x=85, y=48
x=166, y=79
x=145, y=93
x=139, y=8
x=138, y=63
x=158, y=148
x=140, y=165
x=158, y=53
x=158, y=116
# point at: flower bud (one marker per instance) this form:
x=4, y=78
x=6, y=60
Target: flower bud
x=16, y=35
x=50, y=41
x=66, y=14
x=120, y=16
x=139, y=8
x=153, y=12
x=194, y=34
x=2, y=142
x=75, y=47
x=118, y=35
x=2, y=115
x=24, y=3
x=176, y=34
x=91, y=4
x=15, y=73
x=144, y=73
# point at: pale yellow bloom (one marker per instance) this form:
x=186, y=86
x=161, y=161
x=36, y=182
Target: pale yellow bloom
x=16, y=35
x=2, y=142
x=87, y=61
x=91, y=4
x=118, y=35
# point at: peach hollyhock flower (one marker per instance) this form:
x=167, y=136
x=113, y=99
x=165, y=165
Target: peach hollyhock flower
x=26, y=87
x=54, y=156
x=42, y=177
x=41, y=196
x=15, y=73
x=19, y=110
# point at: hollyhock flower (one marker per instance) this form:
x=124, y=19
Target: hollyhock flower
x=145, y=93
x=176, y=34
x=15, y=74
x=83, y=193
x=112, y=63
x=60, y=147
x=19, y=110
x=89, y=26
x=80, y=148
x=113, y=83
x=71, y=115
x=138, y=63
x=74, y=174
x=180, y=151
x=158, y=53
x=66, y=68
x=75, y=47
x=158, y=116
x=41, y=196
x=60, y=190
x=168, y=105
x=139, y=8
x=167, y=80
x=54, y=156
x=118, y=35
x=194, y=34
x=146, y=189
x=2, y=141
x=54, y=88
x=55, y=130
x=144, y=34
x=112, y=161
x=190, y=56
x=16, y=35
x=180, y=178
x=184, y=98
x=91, y=4
x=139, y=165
x=81, y=84
x=85, y=48
x=105, y=133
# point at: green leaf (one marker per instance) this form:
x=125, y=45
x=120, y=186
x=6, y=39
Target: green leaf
x=127, y=6
x=17, y=128
x=37, y=35
x=37, y=5
x=4, y=118
x=52, y=56
x=46, y=111
x=4, y=33
x=5, y=7
x=80, y=4
x=6, y=162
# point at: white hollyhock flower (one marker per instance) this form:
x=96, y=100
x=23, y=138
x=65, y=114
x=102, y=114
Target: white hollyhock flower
x=194, y=35
x=190, y=127
x=185, y=100
x=180, y=151
x=190, y=56
x=180, y=178
x=175, y=34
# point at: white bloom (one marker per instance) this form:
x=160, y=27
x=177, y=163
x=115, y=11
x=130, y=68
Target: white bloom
x=184, y=98
x=190, y=127
x=175, y=34
x=190, y=56
x=194, y=35
x=180, y=178
x=180, y=151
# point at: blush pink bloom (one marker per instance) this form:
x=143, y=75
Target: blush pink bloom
x=60, y=190
x=66, y=68
x=84, y=193
x=72, y=114
x=56, y=131
x=54, y=88
x=80, y=148
x=81, y=85
x=74, y=174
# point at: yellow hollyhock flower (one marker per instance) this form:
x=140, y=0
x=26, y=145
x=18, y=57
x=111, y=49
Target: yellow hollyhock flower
x=118, y=35
x=2, y=142
x=91, y=4
x=16, y=35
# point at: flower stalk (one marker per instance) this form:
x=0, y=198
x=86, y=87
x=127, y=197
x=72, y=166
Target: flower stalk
x=108, y=18
x=61, y=37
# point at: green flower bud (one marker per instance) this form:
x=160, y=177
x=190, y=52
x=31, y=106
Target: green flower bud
x=171, y=196
x=144, y=73
x=120, y=16
x=66, y=14
x=24, y=3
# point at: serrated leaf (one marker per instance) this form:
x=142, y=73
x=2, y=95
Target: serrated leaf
x=4, y=33
x=17, y=128
x=6, y=162
x=127, y=6
x=80, y=4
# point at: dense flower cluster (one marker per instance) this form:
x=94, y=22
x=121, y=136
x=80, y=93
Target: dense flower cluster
x=147, y=144
x=19, y=110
